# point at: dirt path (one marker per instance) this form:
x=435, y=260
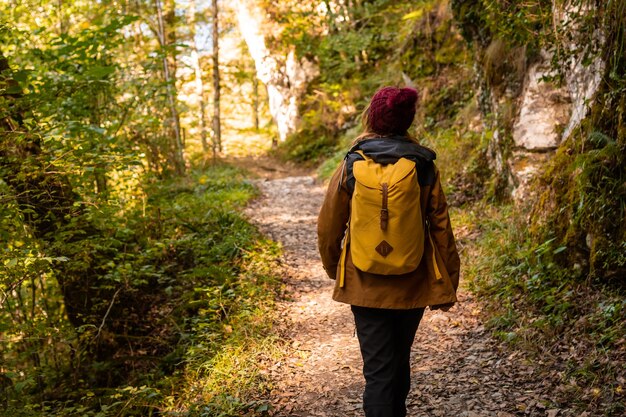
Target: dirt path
x=458, y=370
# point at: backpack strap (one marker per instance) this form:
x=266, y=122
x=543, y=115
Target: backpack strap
x=344, y=256
x=360, y=152
x=347, y=169
x=388, y=151
x=346, y=238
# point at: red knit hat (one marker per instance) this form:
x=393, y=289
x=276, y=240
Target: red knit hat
x=392, y=110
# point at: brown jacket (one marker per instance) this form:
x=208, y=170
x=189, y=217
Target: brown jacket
x=419, y=288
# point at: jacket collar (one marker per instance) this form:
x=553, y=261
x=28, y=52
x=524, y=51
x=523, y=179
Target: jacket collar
x=390, y=149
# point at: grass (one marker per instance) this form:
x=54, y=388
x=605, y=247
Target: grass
x=230, y=333
x=227, y=378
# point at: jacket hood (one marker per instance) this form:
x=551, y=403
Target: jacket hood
x=389, y=150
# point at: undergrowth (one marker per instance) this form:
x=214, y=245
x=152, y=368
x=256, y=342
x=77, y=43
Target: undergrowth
x=567, y=329
x=213, y=309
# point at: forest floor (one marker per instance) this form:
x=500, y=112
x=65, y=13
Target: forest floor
x=458, y=369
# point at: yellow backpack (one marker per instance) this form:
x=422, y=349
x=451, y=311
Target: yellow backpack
x=386, y=230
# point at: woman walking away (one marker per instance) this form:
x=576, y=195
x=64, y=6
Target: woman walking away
x=385, y=237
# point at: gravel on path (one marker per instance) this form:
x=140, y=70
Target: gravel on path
x=457, y=368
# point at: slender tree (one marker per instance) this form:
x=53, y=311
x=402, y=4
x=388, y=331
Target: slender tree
x=199, y=84
x=217, y=134
x=255, y=100
x=178, y=158
x=62, y=17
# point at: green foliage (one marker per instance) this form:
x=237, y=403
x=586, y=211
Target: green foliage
x=585, y=181
x=69, y=99
x=442, y=107
x=362, y=48
x=91, y=87
x=112, y=273
x=215, y=287
x=536, y=305
x=551, y=278
x=518, y=22
x=461, y=162
x=301, y=148
x=328, y=167
x=583, y=185
x=583, y=194
x=321, y=122
x=428, y=44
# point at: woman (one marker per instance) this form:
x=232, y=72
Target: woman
x=388, y=308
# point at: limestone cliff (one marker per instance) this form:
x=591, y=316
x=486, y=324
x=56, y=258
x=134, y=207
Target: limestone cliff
x=552, y=93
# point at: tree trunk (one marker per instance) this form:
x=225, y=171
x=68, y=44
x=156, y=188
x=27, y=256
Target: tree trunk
x=169, y=64
x=284, y=75
x=195, y=60
x=62, y=18
x=255, y=101
x=217, y=133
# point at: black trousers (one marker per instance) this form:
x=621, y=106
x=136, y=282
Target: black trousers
x=385, y=337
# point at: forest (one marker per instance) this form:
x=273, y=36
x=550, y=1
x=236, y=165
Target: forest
x=162, y=164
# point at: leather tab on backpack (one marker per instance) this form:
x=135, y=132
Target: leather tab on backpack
x=384, y=219
x=384, y=212
x=384, y=248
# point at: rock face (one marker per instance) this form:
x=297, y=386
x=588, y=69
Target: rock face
x=582, y=83
x=285, y=76
x=544, y=108
x=582, y=78
x=543, y=111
